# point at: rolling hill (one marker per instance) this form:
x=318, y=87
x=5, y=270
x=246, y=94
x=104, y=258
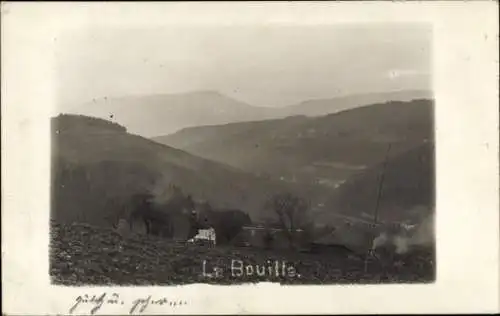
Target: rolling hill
x=156, y=115
x=333, y=160
x=98, y=166
x=323, y=150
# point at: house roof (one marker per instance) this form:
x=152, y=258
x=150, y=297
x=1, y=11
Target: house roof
x=266, y=228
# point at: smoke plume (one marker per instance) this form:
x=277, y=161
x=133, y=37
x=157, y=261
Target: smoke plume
x=423, y=234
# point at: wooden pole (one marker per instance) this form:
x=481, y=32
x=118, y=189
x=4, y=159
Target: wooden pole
x=379, y=193
x=377, y=203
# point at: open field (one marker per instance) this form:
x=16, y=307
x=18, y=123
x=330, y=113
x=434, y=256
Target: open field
x=87, y=255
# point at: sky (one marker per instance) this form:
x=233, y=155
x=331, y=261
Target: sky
x=266, y=65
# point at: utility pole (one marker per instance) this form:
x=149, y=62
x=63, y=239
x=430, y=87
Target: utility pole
x=381, y=183
x=379, y=195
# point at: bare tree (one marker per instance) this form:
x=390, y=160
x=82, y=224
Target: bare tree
x=292, y=214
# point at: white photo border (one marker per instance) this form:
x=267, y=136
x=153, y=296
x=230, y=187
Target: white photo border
x=465, y=75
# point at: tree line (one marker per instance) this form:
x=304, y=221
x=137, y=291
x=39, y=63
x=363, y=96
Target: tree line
x=290, y=215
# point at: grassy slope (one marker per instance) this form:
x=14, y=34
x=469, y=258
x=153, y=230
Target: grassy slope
x=83, y=254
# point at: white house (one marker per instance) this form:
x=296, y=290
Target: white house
x=205, y=235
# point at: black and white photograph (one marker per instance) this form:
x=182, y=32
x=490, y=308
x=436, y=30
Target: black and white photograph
x=250, y=157
x=291, y=154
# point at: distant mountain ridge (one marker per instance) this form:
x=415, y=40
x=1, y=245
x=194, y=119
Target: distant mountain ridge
x=162, y=114
x=318, y=107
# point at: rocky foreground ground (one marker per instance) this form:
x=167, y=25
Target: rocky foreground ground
x=87, y=255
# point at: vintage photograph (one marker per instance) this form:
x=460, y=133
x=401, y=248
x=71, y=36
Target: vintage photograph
x=295, y=154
